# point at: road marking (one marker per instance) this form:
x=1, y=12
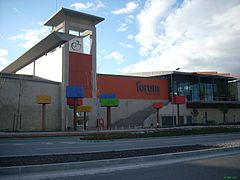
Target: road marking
x=46, y=143
x=18, y=144
x=81, y=147
x=68, y=142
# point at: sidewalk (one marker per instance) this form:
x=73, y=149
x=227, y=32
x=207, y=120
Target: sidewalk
x=27, y=134
x=63, y=133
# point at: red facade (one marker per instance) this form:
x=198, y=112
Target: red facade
x=80, y=72
x=125, y=87
x=133, y=87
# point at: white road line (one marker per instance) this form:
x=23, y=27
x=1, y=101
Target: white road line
x=47, y=143
x=68, y=142
x=18, y=144
x=79, y=147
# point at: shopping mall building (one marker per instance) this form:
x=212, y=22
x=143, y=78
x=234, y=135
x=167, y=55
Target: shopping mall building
x=35, y=86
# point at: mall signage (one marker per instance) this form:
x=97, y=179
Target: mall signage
x=70, y=102
x=108, y=96
x=157, y=105
x=76, y=45
x=74, y=95
x=178, y=100
x=74, y=92
x=84, y=109
x=147, y=88
x=108, y=101
x=43, y=99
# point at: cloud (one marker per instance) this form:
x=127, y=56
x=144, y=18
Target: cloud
x=129, y=46
x=130, y=19
x=118, y=57
x=3, y=52
x=31, y=36
x=82, y=6
x=130, y=36
x=15, y=9
x=123, y=27
x=130, y=7
x=149, y=21
x=87, y=5
x=125, y=45
x=3, y=61
x=99, y=4
x=197, y=36
x=121, y=44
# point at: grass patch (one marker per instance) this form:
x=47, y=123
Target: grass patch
x=158, y=133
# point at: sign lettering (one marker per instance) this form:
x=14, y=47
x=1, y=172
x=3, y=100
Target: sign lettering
x=147, y=88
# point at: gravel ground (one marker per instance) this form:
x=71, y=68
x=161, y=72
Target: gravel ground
x=63, y=158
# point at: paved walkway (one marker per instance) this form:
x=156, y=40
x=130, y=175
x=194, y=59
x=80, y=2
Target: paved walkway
x=63, y=133
x=80, y=133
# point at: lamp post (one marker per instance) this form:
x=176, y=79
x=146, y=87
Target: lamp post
x=172, y=89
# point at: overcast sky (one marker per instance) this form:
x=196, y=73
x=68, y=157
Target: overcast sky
x=136, y=36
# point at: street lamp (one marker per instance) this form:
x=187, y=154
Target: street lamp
x=172, y=88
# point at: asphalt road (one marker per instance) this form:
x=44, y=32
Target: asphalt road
x=34, y=146
x=220, y=168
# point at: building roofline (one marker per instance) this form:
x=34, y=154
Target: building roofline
x=129, y=76
x=215, y=75
x=27, y=77
x=63, y=13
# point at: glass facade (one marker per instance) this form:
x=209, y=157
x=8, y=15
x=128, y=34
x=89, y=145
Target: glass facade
x=200, y=89
x=195, y=93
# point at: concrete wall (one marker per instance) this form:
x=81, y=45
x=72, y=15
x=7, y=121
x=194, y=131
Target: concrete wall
x=25, y=106
x=215, y=115
x=29, y=87
x=125, y=109
x=129, y=107
x=238, y=87
x=167, y=110
x=234, y=90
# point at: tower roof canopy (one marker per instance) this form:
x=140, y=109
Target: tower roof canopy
x=71, y=15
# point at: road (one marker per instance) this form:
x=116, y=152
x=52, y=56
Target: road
x=35, y=146
x=220, y=168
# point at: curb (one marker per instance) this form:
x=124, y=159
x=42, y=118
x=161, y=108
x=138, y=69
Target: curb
x=90, y=132
x=63, y=134
x=23, y=170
